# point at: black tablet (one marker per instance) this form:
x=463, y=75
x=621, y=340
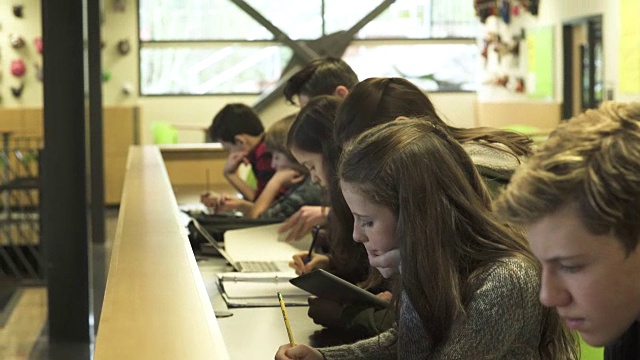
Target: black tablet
x=328, y=286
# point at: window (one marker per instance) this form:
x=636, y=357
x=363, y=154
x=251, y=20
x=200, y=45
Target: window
x=198, y=47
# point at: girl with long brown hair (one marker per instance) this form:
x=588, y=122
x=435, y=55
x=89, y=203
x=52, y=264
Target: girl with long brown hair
x=466, y=284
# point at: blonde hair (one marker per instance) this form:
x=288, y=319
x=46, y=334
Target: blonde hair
x=592, y=162
x=275, y=139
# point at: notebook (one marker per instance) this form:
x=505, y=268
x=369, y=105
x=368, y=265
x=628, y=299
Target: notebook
x=247, y=261
x=259, y=289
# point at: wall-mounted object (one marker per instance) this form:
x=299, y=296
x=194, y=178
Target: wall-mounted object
x=17, y=41
x=106, y=76
x=37, y=42
x=119, y=5
x=127, y=89
x=485, y=8
x=18, y=68
x=124, y=47
x=505, y=11
x=519, y=85
x=531, y=5
x=18, y=11
x=39, y=72
x=17, y=91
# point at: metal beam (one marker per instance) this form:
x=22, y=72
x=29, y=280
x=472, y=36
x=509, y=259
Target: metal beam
x=328, y=45
x=298, y=48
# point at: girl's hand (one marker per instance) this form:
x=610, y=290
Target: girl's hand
x=287, y=177
x=298, y=352
x=386, y=296
x=318, y=261
x=301, y=223
x=327, y=313
x=386, y=263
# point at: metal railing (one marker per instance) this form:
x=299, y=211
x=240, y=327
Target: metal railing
x=20, y=247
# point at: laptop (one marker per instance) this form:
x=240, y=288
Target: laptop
x=255, y=258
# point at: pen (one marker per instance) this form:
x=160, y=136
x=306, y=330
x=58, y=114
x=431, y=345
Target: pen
x=207, y=184
x=286, y=319
x=316, y=230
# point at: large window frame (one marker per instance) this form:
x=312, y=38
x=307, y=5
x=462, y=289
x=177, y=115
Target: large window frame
x=147, y=47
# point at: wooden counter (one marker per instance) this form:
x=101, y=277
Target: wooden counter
x=195, y=164
x=155, y=305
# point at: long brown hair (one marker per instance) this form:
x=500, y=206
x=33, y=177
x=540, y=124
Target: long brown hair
x=377, y=101
x=449, y=236
x=312, y=131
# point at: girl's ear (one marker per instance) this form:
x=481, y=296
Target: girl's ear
x=401, y=117
x=341, y=91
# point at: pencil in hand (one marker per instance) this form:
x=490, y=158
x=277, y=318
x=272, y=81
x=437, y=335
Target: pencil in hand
x=286, y=319
x=316, y=230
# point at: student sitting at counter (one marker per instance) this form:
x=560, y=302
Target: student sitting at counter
x=324, y=76
x=289, y=175
x=466, y=284
x=496, y=154
x=578, y=197
x=239, y=129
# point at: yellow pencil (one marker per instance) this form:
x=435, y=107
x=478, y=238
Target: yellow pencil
x=286, y=320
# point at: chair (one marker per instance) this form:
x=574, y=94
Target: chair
x=537, y=135
x=164, y=133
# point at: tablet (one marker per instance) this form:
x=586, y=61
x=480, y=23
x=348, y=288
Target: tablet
x=328, y=286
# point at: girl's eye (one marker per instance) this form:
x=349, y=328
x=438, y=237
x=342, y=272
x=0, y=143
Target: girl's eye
x=366, y=223
x=570, y=269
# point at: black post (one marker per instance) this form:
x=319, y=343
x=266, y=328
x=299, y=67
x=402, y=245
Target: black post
x=96, y=159
x=96, y=148
x=63, y=192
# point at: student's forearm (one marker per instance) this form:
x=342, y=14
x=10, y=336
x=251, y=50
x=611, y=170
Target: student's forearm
x=245, y=207
x=243, y=188
x=266, y=198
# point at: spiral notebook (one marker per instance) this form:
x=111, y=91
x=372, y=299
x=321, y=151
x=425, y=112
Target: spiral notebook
x=259, y=289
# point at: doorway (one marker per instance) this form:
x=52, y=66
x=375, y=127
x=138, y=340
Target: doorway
x=583, y=66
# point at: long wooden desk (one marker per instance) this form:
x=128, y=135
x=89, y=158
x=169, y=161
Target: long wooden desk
x=156, y=305
x=159, y=301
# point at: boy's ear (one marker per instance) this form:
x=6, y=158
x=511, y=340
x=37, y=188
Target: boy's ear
x=341, y=91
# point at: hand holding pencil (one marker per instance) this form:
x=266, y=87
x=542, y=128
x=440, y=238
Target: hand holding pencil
x=298, y=352
x=292, y=351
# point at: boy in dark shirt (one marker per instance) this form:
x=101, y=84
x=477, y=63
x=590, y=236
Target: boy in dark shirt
x=578, y=198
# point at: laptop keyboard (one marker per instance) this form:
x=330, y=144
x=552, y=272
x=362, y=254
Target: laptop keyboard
x=257, y=266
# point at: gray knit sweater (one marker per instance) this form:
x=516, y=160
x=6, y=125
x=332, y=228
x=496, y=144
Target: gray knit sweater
x=503, y=322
